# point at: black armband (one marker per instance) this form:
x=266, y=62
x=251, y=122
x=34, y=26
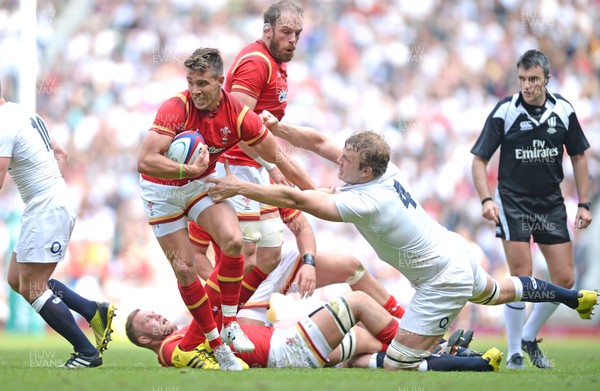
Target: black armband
x=308, y=259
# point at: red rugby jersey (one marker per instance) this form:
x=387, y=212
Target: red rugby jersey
x=232, y=122
x=256, y=73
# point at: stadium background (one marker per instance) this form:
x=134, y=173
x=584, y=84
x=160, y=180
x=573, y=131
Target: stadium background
x=426, y=74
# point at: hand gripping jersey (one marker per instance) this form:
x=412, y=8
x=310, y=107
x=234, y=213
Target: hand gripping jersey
x=255, y=72
x=230, y=124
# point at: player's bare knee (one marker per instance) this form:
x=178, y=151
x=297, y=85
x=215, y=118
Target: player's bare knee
x=232, y=246
x=564, y=281
x=184, y=269
x=400, y=356
x=357, y=273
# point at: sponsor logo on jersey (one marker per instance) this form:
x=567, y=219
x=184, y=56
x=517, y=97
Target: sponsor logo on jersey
x=537, y=153
x=212, y=149
x=526, y=125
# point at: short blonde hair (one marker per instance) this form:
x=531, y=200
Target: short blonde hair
x=373, y=150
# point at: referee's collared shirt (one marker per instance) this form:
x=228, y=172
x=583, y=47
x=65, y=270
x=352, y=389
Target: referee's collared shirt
x=531, y=151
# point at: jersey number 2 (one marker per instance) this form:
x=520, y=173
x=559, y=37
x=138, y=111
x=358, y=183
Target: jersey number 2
x=404, y=195
x=38, y=123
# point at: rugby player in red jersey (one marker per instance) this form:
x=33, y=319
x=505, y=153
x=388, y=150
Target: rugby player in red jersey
x=175, y=192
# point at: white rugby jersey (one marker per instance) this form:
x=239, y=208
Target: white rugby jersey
x=400, y=231
x=25, y=140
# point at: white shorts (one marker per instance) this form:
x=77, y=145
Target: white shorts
x=245, y=208
x=46, y=227
x=277, y=281
x=301, y=346
x=437, y=303
x=169, y=207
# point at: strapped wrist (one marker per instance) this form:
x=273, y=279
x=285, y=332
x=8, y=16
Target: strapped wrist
x=308, y=259
x=268, y=166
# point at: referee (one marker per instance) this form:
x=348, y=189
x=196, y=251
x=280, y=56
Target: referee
x=532, y=129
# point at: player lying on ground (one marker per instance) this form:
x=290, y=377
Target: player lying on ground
x=326, y=337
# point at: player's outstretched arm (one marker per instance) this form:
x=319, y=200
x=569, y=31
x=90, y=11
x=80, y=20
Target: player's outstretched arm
x=303, y=137
x=270, y=150
x=317, y=203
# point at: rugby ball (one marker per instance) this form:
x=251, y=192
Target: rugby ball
x=185, y=147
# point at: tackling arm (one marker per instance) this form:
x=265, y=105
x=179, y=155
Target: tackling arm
x=317, y=203
x=303, y=137
x=270, y=150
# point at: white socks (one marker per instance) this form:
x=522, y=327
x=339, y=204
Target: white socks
x=514, y=316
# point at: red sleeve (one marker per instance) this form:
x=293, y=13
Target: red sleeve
x=171, y=116
x=168, y=346
x=252, y=130
x=250, y=74
x=288, y=215
x=261, y=338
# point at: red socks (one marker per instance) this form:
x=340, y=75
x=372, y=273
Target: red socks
x=393, y=307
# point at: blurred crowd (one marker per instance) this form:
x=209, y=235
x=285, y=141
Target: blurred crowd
x=426, y=74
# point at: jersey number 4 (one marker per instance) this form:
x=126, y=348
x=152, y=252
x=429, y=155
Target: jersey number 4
x=404, y=195
x=38, y=123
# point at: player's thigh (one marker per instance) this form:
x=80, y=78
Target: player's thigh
x=518, y=257
x=333, y=268
x=221, y=222
x=271, y=231
x=435, y=304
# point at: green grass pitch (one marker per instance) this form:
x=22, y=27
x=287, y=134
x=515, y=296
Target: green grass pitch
x=28, y=363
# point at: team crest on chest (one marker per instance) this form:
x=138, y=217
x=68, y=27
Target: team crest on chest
x=225, y=132
x=552, y=125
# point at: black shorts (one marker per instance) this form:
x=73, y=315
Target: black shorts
x=522, y=216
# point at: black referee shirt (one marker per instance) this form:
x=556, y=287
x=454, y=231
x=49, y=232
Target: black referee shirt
x=531, y=151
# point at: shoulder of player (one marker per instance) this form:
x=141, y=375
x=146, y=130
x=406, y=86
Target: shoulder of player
x=178, y=102
x=559, y=100
x=504, y=105
x=254, y=55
